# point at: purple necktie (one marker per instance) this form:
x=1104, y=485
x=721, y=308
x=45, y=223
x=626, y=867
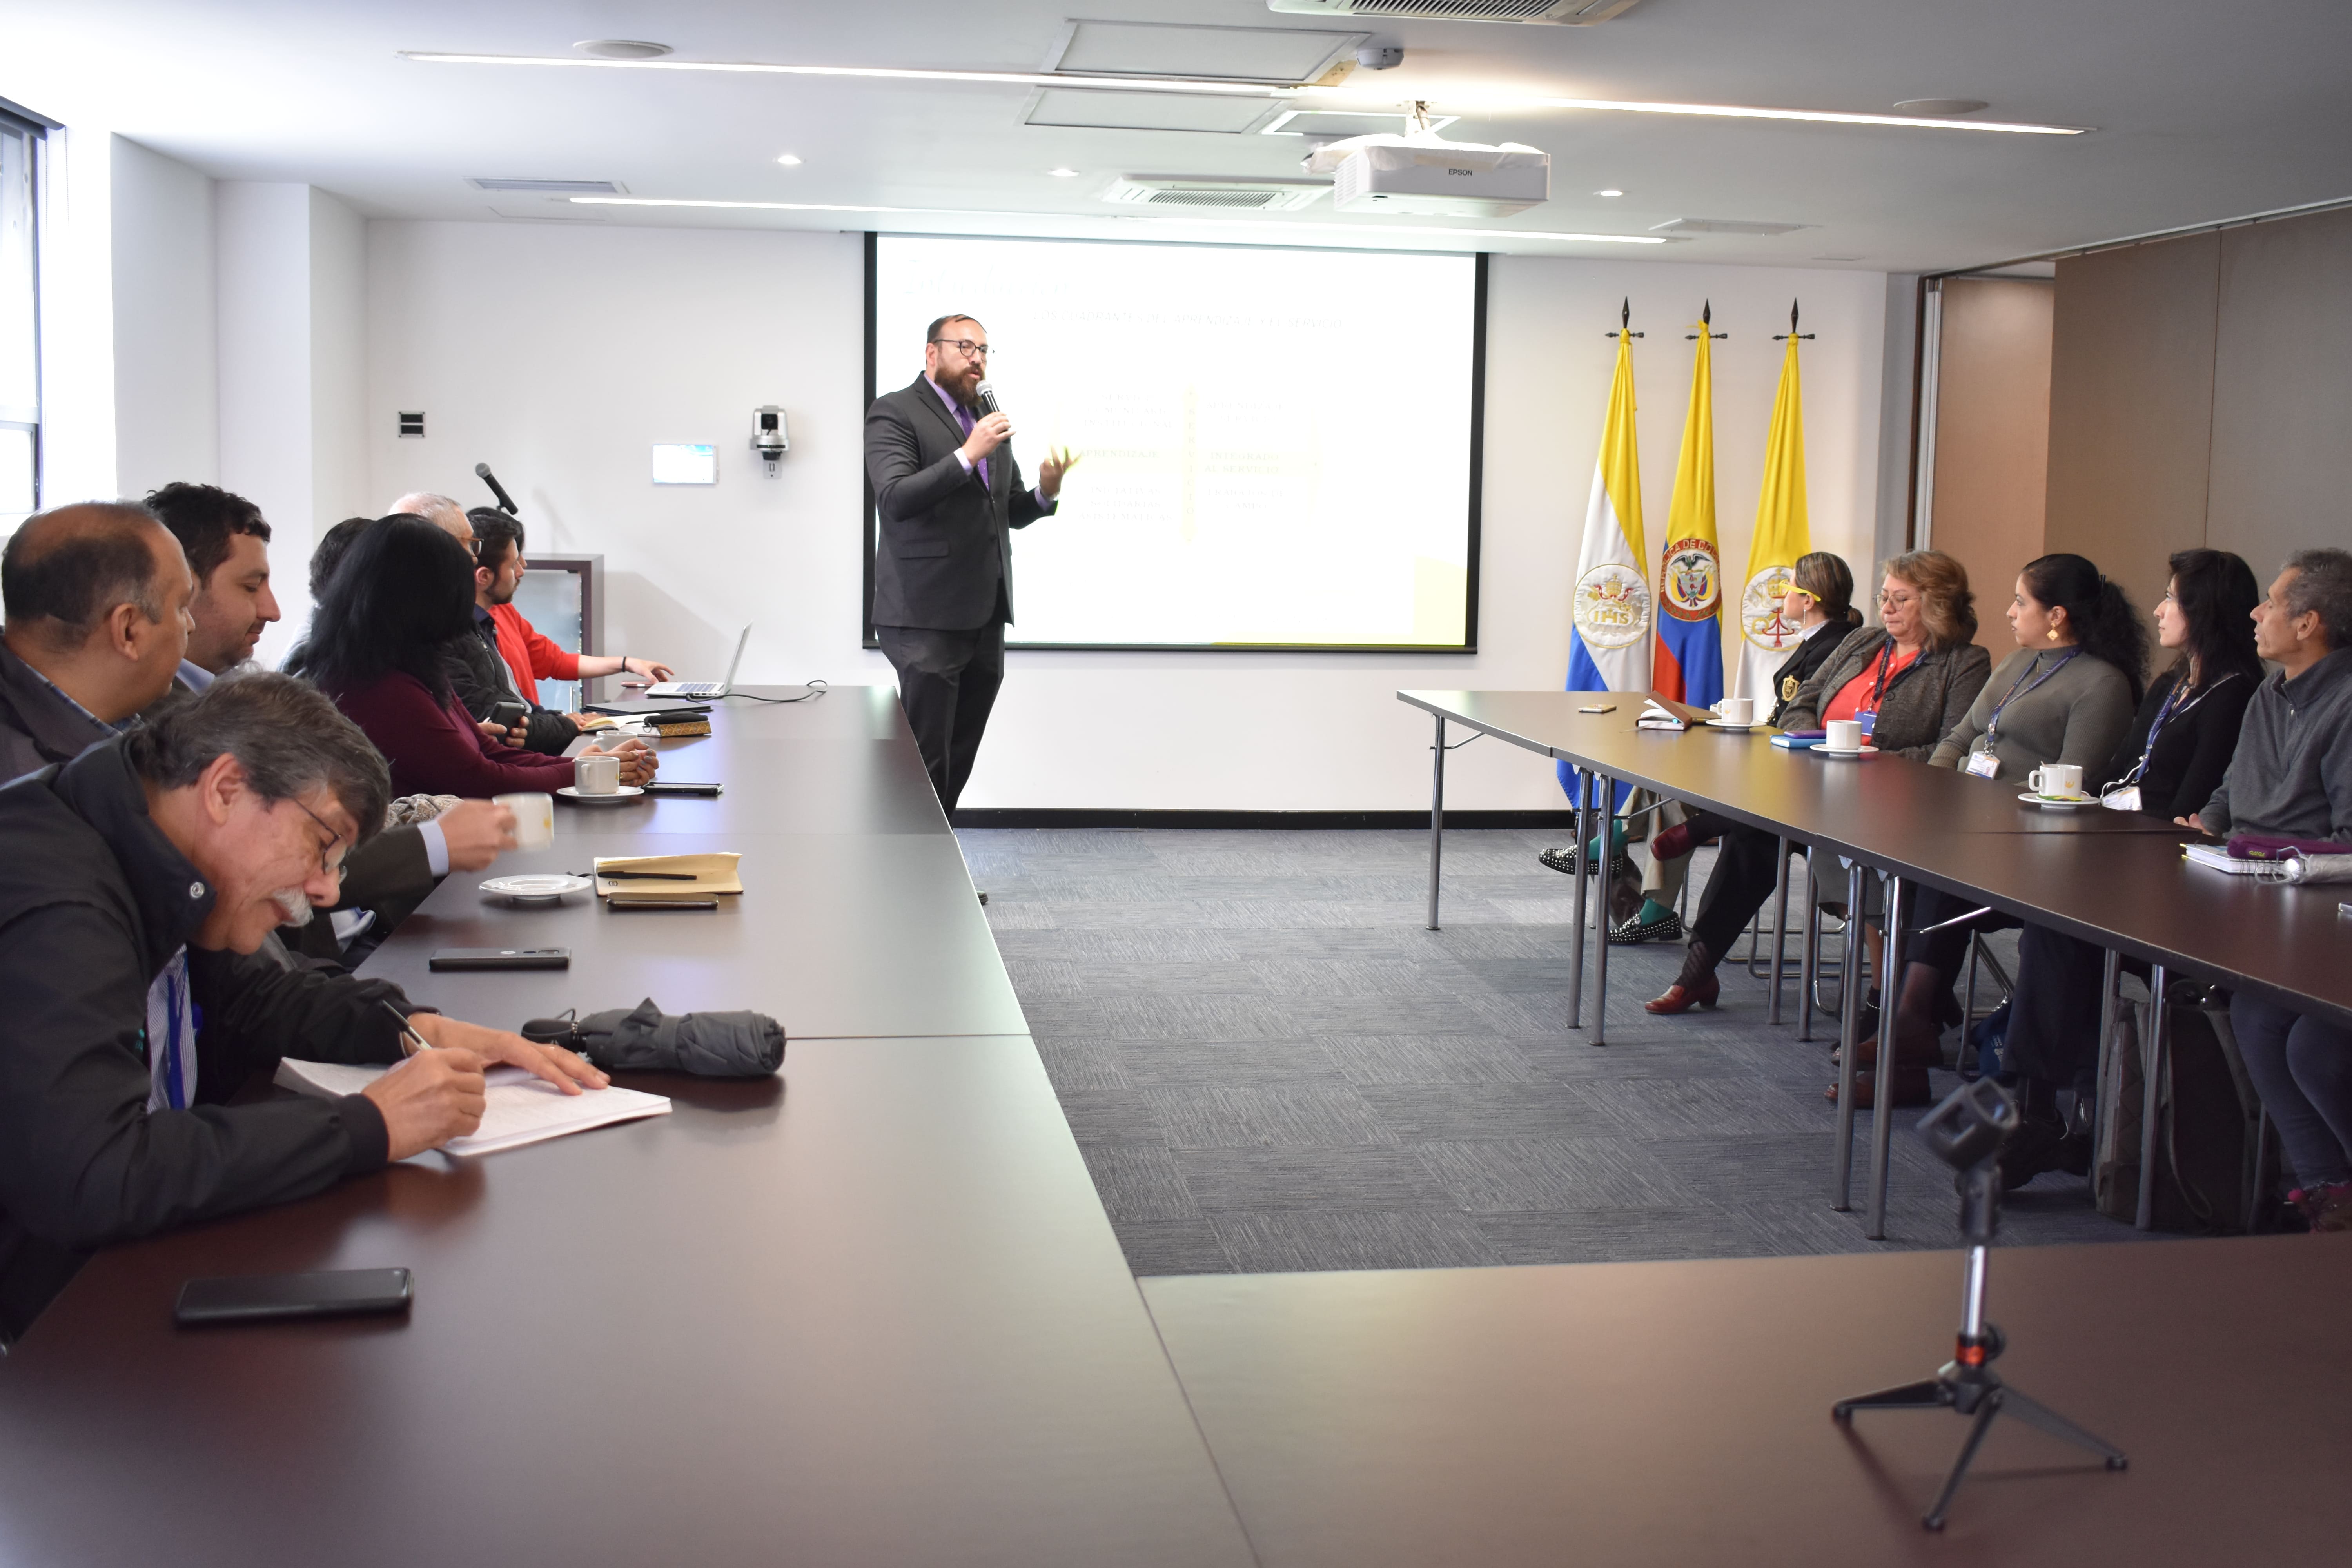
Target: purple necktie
x=964, y=421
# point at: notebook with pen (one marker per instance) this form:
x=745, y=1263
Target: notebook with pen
x=710, y=875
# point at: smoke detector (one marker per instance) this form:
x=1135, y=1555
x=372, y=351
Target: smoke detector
x=1226, y=193
x=1558, y=13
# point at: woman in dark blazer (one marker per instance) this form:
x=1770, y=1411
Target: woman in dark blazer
x=2171, y=761
x=1918, y=673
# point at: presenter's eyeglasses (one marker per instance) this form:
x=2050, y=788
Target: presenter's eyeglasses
x=965, y=347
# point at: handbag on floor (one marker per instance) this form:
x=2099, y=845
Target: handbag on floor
x=2209, y=1122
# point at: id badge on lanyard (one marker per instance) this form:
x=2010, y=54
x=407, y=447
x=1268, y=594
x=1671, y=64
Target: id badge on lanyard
x=1868, y=719
x=2123, y=799
x=1984, y=765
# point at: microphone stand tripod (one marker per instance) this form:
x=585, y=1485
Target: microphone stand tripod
x=1968, y=1383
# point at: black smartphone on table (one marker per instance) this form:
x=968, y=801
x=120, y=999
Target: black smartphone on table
x=680, y=786
x=471, y=958
x=265, y=1298
x=626, y=904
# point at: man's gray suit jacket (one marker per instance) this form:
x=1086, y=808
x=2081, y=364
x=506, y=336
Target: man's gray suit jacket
x=947, y=543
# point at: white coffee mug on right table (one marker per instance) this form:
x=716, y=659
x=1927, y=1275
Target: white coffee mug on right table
x=2056, y=781
x=1736, y=710
x=596, y=774
x=1845, y=735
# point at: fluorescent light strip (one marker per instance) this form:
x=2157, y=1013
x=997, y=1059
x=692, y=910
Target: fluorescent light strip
x=1325, y=230
x=1244, y=89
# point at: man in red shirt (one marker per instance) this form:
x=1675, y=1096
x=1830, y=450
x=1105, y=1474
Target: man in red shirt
x=530, y=656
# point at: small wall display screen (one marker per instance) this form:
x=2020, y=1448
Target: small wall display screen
x=686, y=465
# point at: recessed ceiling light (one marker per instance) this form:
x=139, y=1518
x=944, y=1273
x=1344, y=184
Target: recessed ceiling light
x=1608, y=193
x=1485, y=100
x=1940, y=106
x=1062, y=173
x=787, y=160
x=622, y=48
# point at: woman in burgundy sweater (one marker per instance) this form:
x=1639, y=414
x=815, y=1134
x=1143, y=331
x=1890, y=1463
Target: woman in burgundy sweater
x=400, y=594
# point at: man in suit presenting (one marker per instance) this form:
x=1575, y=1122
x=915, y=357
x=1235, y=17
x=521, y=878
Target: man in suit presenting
x=949, y=492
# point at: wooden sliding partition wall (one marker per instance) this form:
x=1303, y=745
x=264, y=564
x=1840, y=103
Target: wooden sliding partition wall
x=2200, y=393
x=1992, y=430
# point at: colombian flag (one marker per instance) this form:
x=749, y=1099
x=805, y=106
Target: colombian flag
x=1609, y=647
x=1689, y=660
x=1781, y=536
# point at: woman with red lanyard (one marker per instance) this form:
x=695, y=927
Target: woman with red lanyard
x=1916, y=673
x=2168, y=765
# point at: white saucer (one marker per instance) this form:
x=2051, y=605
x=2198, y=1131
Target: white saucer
x=2059, y=802
x=1721, y=724
x=627, y=792
x=537, y=885
x=1866, y=751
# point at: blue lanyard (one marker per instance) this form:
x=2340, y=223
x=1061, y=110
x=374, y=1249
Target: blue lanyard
x=1992, y=725
x=1878, y=687
x=175, y=1001
x=2173, y=707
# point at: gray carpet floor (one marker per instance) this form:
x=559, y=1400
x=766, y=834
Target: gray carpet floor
x=1271, y=1065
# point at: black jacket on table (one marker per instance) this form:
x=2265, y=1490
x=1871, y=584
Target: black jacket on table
x=1799, y=667
x=2193, y=749
x=94, y=901
x=944, y=561
x=479, y=676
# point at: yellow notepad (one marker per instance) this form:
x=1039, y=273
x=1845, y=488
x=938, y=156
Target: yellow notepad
x=712, y=874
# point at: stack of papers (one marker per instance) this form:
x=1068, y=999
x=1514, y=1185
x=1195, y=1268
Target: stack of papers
x=520, y=1109
x=712, y=874
x=2220, y=859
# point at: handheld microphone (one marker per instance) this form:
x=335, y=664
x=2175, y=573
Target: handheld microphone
x=506, y=501
x=987, y=398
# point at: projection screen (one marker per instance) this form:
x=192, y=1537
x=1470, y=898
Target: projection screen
x=1278, y=448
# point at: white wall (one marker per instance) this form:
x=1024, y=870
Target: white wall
x=560, y=352
x=166, y=407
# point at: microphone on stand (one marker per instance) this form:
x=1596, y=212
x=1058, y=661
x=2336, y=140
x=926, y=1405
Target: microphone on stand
x=506, y=501
x=987, y=395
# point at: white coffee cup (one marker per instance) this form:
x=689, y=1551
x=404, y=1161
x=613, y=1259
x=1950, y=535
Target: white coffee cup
x=534, y=817
x=2059, y=781
x=596, y=774
x=1845, y=735
x=1736, y=710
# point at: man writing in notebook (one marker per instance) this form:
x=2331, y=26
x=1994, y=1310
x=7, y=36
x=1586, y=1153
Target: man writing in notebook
x=137, y=884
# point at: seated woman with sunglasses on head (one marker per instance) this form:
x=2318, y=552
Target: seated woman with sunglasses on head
x=2065, y=696
x=2168, y=765
x=1907, y=679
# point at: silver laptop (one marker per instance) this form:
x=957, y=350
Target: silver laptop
x=703, y=690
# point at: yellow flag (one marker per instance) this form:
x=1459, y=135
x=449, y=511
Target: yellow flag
x=1608, y=641
x=1781, y=536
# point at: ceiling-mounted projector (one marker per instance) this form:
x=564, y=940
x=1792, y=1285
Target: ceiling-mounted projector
x=1422, y=174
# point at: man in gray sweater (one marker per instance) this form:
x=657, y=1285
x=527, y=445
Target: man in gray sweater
x=2291, y=778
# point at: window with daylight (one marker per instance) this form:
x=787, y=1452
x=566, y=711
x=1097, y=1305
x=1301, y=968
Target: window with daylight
x=20, y=336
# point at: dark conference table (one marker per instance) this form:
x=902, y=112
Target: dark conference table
x=867, y=1311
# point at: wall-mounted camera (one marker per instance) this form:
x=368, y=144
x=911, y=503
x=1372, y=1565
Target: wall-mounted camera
x=769, y=437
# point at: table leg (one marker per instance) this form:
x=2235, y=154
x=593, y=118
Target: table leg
x=1850, y=981
x=2151, y=1083
x=1881, y=1118
x=1809, y=963
x=1437, y=817
x=1606, y=789
x=1576, y=951
x=2104, y=1093
x=1780, y=933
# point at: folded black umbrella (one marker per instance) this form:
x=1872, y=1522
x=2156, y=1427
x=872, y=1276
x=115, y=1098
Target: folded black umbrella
x=644, y=1038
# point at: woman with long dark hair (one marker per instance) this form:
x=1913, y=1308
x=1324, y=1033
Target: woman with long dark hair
x=403, y=590
x=2066, y=695
x=2168, y=765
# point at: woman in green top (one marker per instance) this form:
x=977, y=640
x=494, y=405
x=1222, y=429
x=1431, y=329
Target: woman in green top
x=2066, y=695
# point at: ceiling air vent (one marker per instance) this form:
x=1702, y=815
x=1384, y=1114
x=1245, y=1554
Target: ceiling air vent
x=1686, y=226
x=553, y=187
x=1220, y=192
x=1558, y=13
